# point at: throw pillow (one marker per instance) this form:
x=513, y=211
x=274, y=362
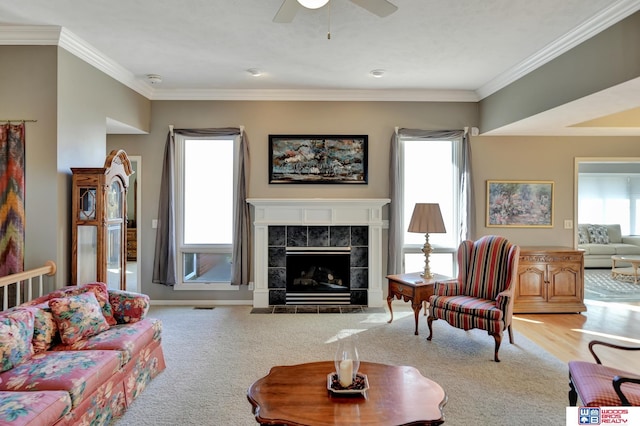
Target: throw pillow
x=598, y=234
x=78, y=317
x=583, y=235
x=101, y=292
x=44, y=327
x=16, y=333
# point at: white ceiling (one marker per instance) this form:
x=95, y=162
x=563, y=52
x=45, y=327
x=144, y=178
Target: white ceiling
x=458, y=50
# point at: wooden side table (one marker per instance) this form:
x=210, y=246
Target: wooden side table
x=412, y=287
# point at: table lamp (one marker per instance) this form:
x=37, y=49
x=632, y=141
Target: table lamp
x=427, y=219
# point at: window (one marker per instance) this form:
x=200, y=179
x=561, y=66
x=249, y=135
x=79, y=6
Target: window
x=204, y=199
x=431, y=174
x=605, y=198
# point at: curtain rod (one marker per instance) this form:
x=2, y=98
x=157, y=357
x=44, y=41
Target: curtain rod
x=24, y=121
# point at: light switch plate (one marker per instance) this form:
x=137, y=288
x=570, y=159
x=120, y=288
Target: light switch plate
x=568, y=224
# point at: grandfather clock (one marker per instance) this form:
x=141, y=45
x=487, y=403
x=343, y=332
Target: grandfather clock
x=99, y=205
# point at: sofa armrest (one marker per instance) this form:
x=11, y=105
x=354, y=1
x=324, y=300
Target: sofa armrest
x=631, y=239
x=127, y=306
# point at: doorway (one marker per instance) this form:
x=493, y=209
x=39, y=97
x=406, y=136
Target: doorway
x=608, y=169
x=134, y=220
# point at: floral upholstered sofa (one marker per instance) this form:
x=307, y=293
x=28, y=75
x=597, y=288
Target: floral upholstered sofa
x=76, y=356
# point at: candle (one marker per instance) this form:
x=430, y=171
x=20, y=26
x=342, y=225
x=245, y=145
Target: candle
x=345, y=375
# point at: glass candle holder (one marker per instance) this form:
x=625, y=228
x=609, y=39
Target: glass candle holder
x=347, y=360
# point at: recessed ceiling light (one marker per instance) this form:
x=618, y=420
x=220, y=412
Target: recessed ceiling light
x=254, y=72
x=377, y=73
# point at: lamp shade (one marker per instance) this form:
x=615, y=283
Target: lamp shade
x=313, y=4
x=427, y=219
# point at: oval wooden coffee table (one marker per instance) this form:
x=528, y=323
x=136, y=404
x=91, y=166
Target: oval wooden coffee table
x=297, y=395
x=628, y=271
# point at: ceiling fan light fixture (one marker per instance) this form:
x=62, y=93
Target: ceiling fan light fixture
x=313, y=4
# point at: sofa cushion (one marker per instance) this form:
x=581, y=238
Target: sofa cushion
x=599, y=249
x=78, y=317
x=127, y=338
x=467, y=305
x=98, y=289
x=594, y=382
x=33, y=408
x=615, y=233
x=16, y=335
x=598, y=234
x=79, y=373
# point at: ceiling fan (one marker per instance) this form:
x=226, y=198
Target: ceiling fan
x=289, y=8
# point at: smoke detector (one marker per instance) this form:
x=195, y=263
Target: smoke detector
x=154, y=78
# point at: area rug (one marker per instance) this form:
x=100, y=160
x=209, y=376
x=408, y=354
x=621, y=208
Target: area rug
x=214, y=355
x=599, y=285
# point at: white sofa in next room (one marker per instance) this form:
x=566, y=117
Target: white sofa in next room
x=600, y=242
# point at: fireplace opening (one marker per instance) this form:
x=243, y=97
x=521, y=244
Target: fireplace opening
x=318, y=275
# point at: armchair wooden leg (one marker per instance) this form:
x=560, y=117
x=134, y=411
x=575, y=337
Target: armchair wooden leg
x=498, y=338
x=573, y=395
x=510, y=334
x=429, y=321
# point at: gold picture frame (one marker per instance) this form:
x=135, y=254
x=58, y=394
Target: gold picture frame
x=519, y=204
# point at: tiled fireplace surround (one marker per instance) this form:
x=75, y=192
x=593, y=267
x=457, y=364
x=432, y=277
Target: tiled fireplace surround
x=359, y=220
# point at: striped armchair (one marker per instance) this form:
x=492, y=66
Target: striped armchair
x=482, y=295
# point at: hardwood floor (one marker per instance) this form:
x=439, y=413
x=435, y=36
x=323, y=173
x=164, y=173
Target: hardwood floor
x=566, y=336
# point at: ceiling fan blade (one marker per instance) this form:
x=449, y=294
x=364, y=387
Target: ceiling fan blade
x=287, y=11
x=381, y=8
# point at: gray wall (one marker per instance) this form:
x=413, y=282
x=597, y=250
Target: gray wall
x=376, y=119
x=607, y=59
x=540, y=158
x=71, y=101
x=28, y=90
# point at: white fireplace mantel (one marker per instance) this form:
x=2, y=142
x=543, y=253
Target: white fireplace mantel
x=315, y=212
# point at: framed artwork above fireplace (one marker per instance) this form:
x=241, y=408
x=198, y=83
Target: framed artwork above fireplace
x=318, y=159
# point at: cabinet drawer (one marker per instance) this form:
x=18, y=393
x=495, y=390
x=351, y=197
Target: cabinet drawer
x=398, y=288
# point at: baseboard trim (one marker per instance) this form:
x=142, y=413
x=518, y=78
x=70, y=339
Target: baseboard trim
x=201, y=302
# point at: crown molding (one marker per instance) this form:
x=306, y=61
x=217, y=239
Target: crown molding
x=83, y=50
x=55, y=35
x=589, y=28
x=35, y=35
x=319, y=95
x=50, y=35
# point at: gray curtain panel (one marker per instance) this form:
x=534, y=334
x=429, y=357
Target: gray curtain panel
x=164, y=262
x=396, y=221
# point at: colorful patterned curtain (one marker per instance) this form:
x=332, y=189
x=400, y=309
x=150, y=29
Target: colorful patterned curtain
x=12, y=163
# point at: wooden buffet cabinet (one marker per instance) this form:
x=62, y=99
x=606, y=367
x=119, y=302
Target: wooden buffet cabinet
x=550, y=280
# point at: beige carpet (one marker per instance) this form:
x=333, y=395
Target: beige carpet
x=213, y=356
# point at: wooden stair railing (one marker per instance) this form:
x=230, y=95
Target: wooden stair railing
x=17, y=279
